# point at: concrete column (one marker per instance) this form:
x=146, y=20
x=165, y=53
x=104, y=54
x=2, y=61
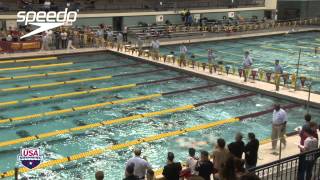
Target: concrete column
x=271, y=4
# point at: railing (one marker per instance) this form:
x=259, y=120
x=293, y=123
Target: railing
x=288, y=168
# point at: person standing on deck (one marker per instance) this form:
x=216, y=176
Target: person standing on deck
x=183, y=53
x=277, y=67
x=140, y=46
x=125, y=34
x=155, y=45
x=119, y=40
x=110, y=35
x=247, y=63
x=211, y=56
x=279, y=122
x=278, y=72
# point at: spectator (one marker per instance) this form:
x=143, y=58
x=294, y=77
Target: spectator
x=192, y=161
x=140, y=46
x=220, y=155
x=239, y=167
x=130, y=173
x=204, y=166
x=172, y=170
x=119, y=40
x=99, y=175
x=237, y=148
x=228, y=171
x=9, y=38
x=110, y=35
x=150, y=174
x=307, y=119
x=64, y=39
x=251, y=151
x=310, y=143
x=250, y=176
x=308, y=125
x=125, y=34
x=247, y=63
x=140, y=165
x=279, y=122
x=57, y=39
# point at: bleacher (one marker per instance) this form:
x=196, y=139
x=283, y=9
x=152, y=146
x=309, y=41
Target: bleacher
x=179, y=30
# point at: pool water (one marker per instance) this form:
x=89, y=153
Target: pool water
x=113, y=162
x=264, y=51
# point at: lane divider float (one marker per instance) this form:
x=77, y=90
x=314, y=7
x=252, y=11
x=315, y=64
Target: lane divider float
x=86, y=92
x=36, y=66
x=28, y=76
x=99, y=78
x=28, y=60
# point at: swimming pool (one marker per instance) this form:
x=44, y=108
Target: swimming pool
x=264, y=51
x=103, y=87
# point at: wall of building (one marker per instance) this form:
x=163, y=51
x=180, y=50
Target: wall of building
x=93, y=21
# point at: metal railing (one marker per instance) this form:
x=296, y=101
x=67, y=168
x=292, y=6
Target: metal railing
x=288, y=168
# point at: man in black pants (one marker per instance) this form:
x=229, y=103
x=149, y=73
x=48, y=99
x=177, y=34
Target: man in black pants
x=251, y=151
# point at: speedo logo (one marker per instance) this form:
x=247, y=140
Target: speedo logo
x=46, y=20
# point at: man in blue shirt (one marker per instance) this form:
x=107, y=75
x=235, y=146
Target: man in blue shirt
x=278, y=68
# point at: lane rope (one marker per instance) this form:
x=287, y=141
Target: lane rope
x=86, y=92
x=98, y=78
x=36, y=66
x=28, y=60
x=62, y=72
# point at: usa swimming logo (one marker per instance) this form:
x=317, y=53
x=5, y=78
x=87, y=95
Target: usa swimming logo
x=46, y=20
x=30, y=157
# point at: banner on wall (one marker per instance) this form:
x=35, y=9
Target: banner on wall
x=159, y=18
x=6, y=46
x=231, y=14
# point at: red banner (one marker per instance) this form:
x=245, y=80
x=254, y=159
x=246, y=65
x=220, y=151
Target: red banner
x=6, y=46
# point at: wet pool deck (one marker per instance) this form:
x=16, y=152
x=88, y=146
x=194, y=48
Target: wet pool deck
x=257, y=86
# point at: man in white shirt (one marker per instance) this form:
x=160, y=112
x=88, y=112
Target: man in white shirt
x=279, y=121
x=192, y=162
x=140, y=165
x=140, y=45
x=247, y=63
x=183, y=52
x=120, y=41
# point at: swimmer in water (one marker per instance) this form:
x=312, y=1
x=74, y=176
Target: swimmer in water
x=93, y=87
x=316, y=50
x=23, y=133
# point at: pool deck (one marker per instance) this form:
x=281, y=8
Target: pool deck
x=257, y=86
